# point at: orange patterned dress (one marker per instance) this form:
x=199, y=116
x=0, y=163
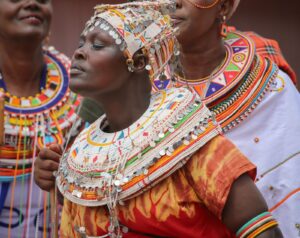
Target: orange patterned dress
x=189, y=203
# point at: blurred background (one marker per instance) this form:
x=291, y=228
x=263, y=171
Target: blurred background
x=275, y=19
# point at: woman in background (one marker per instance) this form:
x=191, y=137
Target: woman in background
x=251, y=93
x=39, y=110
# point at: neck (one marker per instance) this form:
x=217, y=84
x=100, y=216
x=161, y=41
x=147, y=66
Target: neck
x=201, y=58
x=127, y=105
x=21, y=66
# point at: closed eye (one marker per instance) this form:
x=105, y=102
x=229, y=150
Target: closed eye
x=43, y=1
x=97, y=46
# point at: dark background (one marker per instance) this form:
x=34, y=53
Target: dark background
x=275, y=19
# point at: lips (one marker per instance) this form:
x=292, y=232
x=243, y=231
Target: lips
x=176, y=20
x=32, y=18
x=76, y=69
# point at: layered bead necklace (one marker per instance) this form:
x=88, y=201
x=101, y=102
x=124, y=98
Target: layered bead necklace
x=105, y=168
x=234, y=90
x=30, y=123
x=36, y=120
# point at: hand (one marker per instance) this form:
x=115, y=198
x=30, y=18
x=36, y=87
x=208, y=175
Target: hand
x=44, y=166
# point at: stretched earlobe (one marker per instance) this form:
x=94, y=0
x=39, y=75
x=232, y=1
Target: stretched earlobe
x=138, y=63
x=141, y=62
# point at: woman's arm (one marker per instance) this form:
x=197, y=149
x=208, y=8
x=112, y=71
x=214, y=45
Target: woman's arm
x=245, y=203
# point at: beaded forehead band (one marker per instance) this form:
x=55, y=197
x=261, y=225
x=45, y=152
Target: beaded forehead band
x=141, y=25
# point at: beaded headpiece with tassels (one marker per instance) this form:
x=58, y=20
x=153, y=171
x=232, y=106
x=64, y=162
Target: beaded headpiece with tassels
x=141, y=25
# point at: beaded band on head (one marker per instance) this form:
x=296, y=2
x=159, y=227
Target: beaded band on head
x=141, y=25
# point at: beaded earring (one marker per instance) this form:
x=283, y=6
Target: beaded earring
x=224, y=27
x=130, y=65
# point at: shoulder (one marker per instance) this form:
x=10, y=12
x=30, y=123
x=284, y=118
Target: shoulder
x=219, y=147
x=213, y=169
x=218, y=157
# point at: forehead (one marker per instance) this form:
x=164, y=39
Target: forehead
x=97, y=34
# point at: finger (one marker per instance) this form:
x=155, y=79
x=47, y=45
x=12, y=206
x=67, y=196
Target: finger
x=46, y=185
x=46, y=175
x=48, y=165
x=47, y=154
x=56, y=148
x=38, y=148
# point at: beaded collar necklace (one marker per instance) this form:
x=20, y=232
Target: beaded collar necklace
x=54, y=87
x=105, y=168
x=240, y=54
x=37, y=120
x=169, y=118
x=239, y=84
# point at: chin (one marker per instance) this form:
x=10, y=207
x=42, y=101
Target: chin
x=76, y=88
x=79, y=88
x=32, y=35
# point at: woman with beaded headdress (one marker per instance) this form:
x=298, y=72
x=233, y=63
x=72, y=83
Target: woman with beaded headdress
x=155, y=165
x=38, y=109
x=248, y=87
x=240, y=87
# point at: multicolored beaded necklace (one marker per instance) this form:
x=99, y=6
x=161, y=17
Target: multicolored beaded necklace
x=29, y=123
x=237, y=87
x=103, y=168
x=37, y=120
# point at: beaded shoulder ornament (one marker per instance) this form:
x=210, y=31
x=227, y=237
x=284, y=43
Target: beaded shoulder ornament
x=174, y=127
x=239, y=84
x=38, y=120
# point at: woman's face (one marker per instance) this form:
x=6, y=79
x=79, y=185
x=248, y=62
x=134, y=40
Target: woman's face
x=98, y=65
x=19, y=18
x=195, y=23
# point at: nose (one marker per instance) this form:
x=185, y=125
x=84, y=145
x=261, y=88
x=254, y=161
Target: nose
x=178, y=4
x=31, y=4
x=79, y=54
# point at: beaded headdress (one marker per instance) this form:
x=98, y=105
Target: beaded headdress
x=141, y=25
